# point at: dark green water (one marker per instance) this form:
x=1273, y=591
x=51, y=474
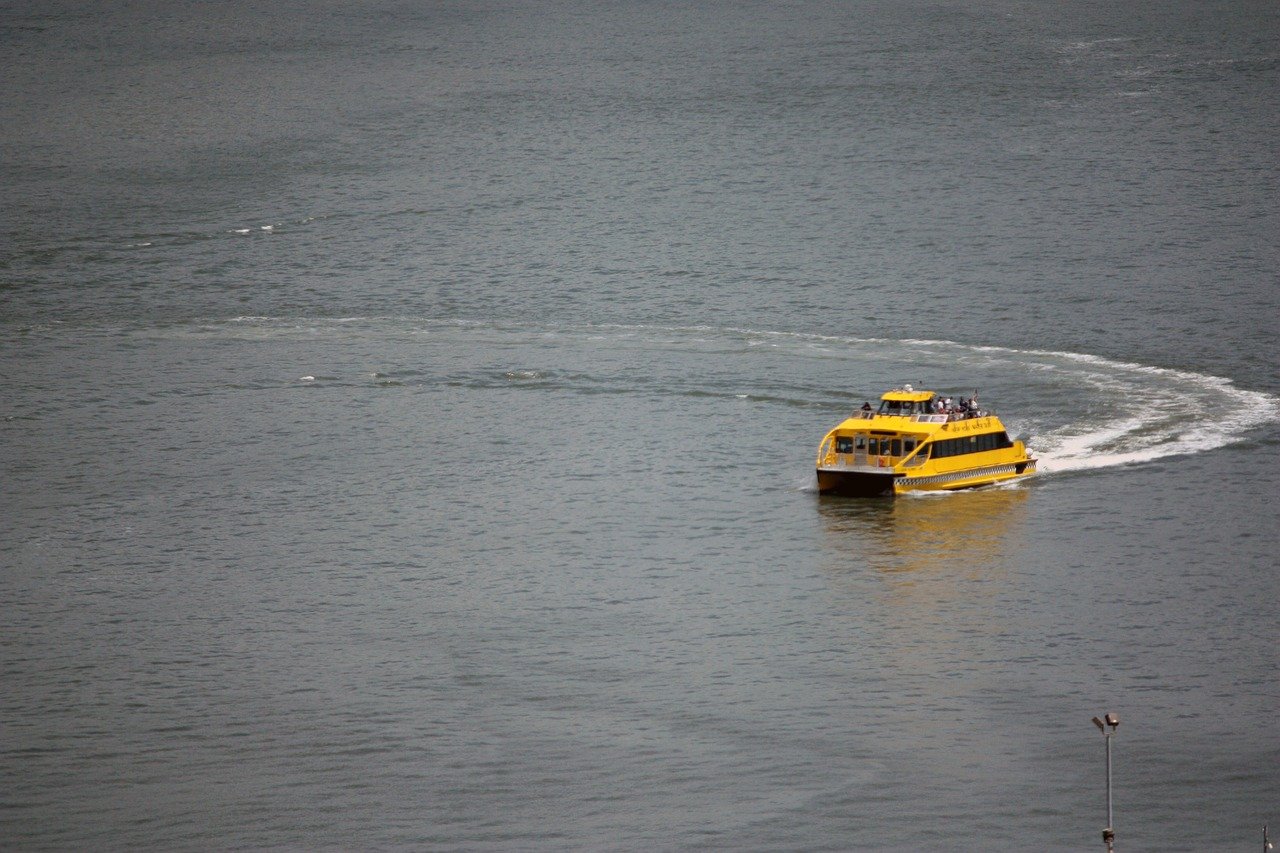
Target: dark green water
x=409, y=417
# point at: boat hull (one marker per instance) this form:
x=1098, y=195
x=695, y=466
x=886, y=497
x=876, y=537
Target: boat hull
x=856, y=483
x=877, y=482
x=968, y=478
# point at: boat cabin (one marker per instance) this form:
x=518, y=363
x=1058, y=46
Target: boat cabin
x=871, y=439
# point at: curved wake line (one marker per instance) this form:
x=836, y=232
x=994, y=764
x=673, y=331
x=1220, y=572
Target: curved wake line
x=1172, y=412
x=1154, y=412
x=1165, y=412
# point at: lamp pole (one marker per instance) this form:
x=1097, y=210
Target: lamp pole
x=1107, y=725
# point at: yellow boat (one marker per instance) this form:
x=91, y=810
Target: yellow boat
x=918, y=442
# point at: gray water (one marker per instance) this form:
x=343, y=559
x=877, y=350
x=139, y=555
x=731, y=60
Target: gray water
x=410, y=408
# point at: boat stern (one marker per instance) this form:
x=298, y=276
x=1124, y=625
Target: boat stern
x=856, y=482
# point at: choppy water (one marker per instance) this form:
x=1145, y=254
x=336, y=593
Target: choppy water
x=409, y=417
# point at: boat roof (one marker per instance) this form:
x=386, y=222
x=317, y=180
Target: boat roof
x=907, y=395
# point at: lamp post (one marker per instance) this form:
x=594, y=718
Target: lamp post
x=1107, y=725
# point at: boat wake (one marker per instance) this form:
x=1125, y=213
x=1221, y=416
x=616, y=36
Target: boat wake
x=1076, y=411
x=1146, y=413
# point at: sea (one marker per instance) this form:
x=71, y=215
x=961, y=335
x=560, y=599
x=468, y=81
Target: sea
x=409, y=412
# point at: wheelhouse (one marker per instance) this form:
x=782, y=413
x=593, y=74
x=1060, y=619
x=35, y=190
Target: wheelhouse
x=906, y=403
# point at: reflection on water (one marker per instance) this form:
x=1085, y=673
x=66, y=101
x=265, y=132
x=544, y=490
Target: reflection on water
x=959, y=532
x=928, y=586
x=927, y=592
x=940, y=560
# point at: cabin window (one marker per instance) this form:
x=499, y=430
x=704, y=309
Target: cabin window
x=908, y=445
x=971, y=444
x=860, y=442
x=895, y=447
x=995, y=441
x=844, y=445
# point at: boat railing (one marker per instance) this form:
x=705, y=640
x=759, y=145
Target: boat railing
x=923, y=417
x=859, y=459
x=948, y=417
x=829, y=457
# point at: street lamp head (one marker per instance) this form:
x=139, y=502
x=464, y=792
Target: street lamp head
x=1098, y=723
x=1113, y=720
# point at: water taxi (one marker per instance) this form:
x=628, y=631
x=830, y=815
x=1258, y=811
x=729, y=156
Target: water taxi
x=917, y=441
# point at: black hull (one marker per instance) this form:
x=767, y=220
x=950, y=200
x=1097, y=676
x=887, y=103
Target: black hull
x=856, y=484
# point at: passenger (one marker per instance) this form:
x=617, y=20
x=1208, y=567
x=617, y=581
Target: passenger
x=866, y=407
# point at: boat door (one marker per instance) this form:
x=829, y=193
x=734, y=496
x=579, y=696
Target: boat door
x=883, y=451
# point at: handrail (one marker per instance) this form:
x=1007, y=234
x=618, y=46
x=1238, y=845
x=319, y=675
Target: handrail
x=826, y=450
x=860, y=458
x=951, y=417
x=924, y=417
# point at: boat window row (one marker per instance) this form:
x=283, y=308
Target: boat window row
x=873, y=446
x=971, y=444
x=905, y=407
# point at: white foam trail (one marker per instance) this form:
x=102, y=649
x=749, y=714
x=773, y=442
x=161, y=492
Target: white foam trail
x=1138, y=412
x=1169, y=413
x=1163, y=412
